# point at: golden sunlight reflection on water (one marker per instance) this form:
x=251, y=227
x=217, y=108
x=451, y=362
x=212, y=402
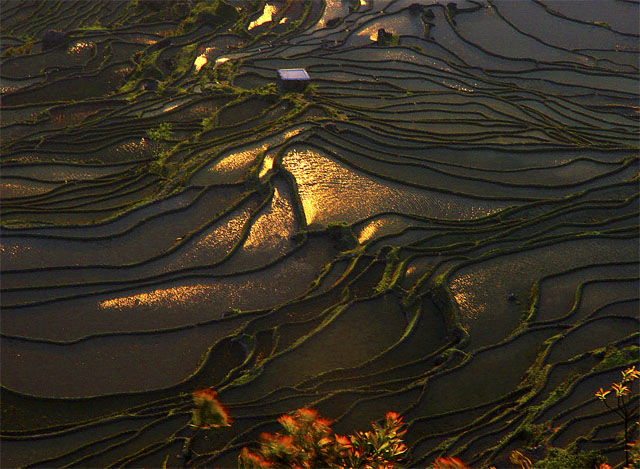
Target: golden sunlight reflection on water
x=167, y=297
x=274, y=226
x=471, y=307
x=13, y=250
x=21, y=190
x=203, y=59
x=267, y=15
x=370, y=230
x=267, y=165
x=81, y=48
x=210, y=246
x=242, y=159
x=237, y=160
x=331, y=191
x=221, y=60
x=200, y=62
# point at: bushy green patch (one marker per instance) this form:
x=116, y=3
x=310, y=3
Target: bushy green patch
x=560, y=458
x=24, y=49
x=97, y=25
x=145, y=68
x=560, y=391
x=532, y=434
x=208, y=123
x=614, y=357
x=185, y=59
x=342, y=236
x=212, y=13
x=161, y=132
x=224, y=73
x=162, y=168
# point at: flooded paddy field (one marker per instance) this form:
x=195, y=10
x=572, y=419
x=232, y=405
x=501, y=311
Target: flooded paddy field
x=443, y=223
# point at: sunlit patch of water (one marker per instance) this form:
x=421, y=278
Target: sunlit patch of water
x=372, y=31
x=8, y=190
x=172, y=107
x=237, y=160
x=267, y=15
x=267, y=164
x=166, y=297
x=200, y=62
x=81, y=48
x=271, y=227
x=210, y=246
x=370, y=230
x=331, y=191
x=13, y=250
x=203, y=59
x=467, y=302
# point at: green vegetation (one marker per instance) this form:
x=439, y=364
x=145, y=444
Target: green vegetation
x=145, y=68
x=24, y=49
x=533, y=434
x=97, y=25
x=342, y=236
x=603, y=24
x=308, y=441
x=211, y=13
x=388, y=40
x=564, y=458
x=161, y=132
x=615, y=357
x=223, y=73
x=184, y=60
x=622, y=392
x=207, y=411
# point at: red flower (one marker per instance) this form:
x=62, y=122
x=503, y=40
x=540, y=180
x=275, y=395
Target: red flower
x=250, y=460
x=306, y=415
x=448, y=462
x=288, y=422
x=393, y=417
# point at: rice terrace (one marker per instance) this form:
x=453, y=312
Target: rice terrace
x=319, y=233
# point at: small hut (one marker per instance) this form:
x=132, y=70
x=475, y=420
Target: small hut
x=292, y=79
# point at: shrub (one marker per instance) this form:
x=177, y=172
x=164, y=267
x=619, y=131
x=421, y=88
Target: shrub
x=24, y=49
x=559, y=457
x=212, y=13
x=208, y=412
x=162, y=132
x=308, y=441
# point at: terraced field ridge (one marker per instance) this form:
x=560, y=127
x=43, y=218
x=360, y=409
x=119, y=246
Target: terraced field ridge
x=444, y=224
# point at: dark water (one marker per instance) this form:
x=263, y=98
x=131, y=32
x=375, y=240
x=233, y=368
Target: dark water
x=482, y=166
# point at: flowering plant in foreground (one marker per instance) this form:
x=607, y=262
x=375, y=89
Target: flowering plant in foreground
x=308, y=441
x=622, y=391
x=208, y=412
x=449, y=462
